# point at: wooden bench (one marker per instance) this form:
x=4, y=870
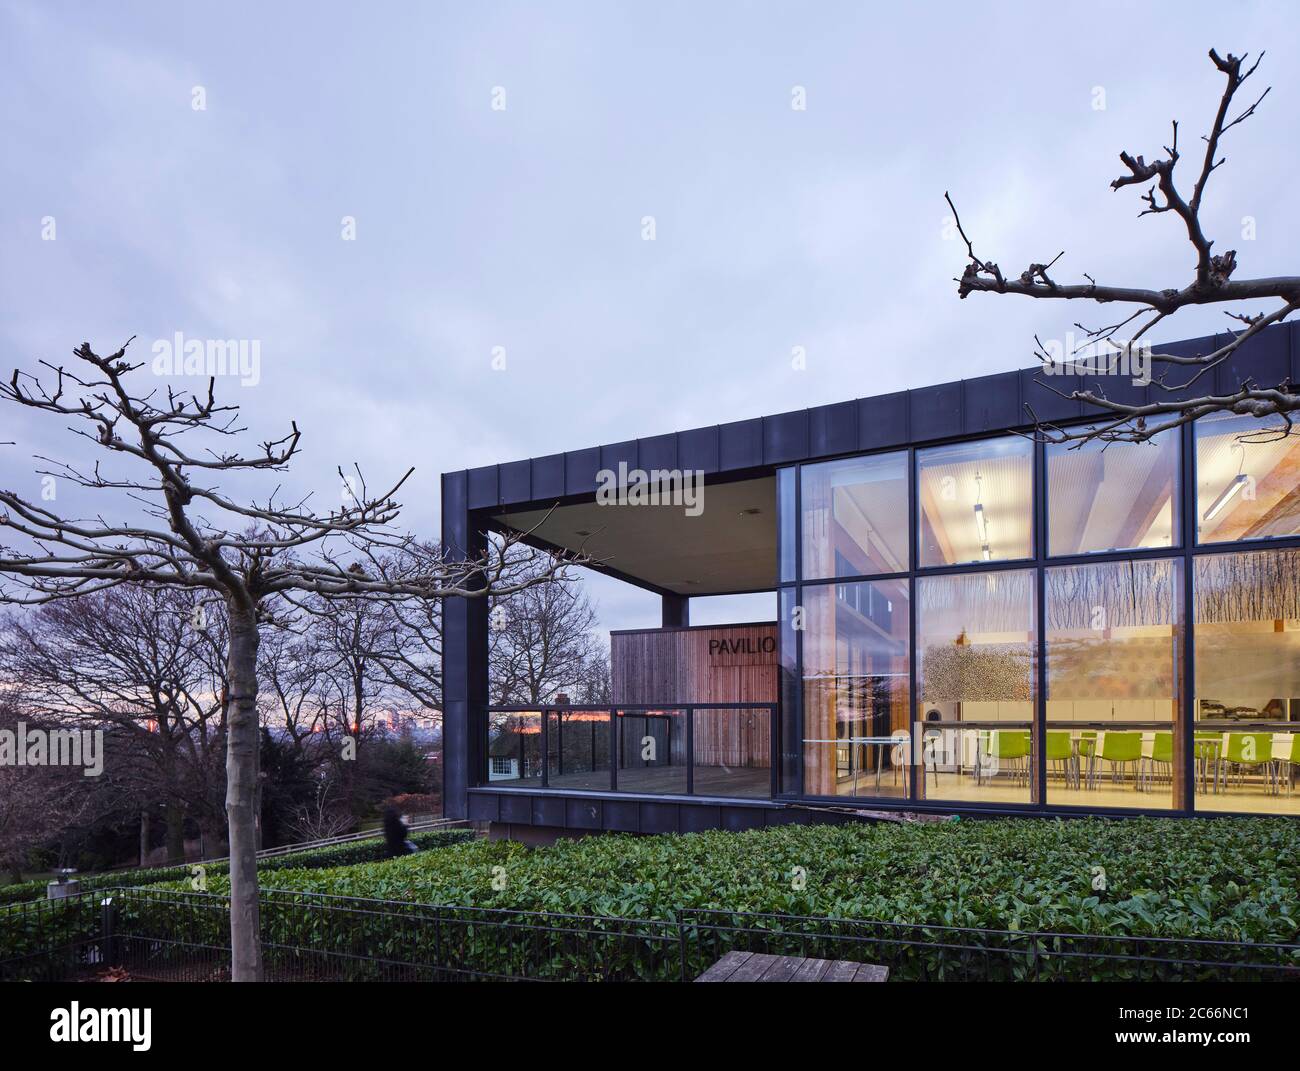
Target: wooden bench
x=757, y=967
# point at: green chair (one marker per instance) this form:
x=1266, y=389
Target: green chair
x=1060, y=750
x=1087, y=749
x=1287, y=761
x=1209, y=752
x=1250, y=751
x=1008, y=746
x=1120, y=749
x=1162, y=755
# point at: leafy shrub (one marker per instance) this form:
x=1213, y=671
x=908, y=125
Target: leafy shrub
x=337, y=855
x=1231, y=879
x=1222, y=879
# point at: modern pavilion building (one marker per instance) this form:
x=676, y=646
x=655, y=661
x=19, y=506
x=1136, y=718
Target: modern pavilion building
x=970, y=621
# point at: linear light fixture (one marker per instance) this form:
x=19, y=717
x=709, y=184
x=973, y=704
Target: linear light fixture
x=981, y=520
x=1226, y=496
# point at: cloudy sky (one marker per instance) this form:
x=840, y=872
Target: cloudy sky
x=517, y=231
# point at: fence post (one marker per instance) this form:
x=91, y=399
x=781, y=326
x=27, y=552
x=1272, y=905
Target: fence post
x=438, y=974
x=107, y=918
x=681, y=945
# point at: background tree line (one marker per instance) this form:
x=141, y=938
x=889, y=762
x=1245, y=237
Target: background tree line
x=350, y=706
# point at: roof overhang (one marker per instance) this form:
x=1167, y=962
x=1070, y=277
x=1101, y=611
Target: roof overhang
x=725, y=545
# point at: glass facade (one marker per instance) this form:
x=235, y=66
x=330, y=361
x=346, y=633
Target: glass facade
x=994, y=624
x=976, y=654
x=975, y=501
x=1112, y=496
x=855, y=689
x=1114, y=640
x=1008, y=653
x=854, y=517
x=1247, y=479
x=1247, y=694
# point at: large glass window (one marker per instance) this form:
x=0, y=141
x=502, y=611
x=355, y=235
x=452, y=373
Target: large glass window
x=855, y=517
x=1112, y=496
x=1247, y=479
x=1114, y=646
x=785, y=529
x=1247, y=681
x=975, y=501
x=977, y=644
x=855, y=693
x=791, y=751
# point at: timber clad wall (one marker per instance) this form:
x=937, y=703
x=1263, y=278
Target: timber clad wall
x=728, y=664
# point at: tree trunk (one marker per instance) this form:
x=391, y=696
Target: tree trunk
x=241, y=796
x=175, y=820
x=212, y=829
x=145, y=819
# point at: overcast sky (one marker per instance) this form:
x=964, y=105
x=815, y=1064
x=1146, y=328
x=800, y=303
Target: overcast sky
x=521, y=227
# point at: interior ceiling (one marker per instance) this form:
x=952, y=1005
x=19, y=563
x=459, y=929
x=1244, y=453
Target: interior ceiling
x=723, y=550
x=1001, y=485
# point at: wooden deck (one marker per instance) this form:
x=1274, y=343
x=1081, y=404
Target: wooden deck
x=757, y=967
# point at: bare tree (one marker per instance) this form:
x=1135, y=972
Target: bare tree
x=542, y=640
x=36, y=802
x=325, y=815
x=183, y=531
x=411, y=654
x=354, y=639
x=292, y=670
x=1212, y=283
x=131, y=659
x=594, y=685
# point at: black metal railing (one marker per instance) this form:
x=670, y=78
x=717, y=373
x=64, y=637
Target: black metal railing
x=663, y=749
x=167, y=935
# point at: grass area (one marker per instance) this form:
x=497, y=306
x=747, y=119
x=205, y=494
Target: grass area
x=1233, y=879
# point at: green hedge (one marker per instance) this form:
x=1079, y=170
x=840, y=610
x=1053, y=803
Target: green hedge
x=1228, y=879
x=338, y=855
x=1223, y=879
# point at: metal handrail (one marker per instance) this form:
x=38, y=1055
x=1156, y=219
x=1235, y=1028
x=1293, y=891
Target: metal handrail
x=614, y=711
x=547, y=708
x=346, y=838
x=110, y=926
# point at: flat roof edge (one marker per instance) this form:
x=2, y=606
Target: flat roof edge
x=964, y=408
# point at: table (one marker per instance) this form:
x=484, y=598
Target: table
x=870, y=741
x=760, y=967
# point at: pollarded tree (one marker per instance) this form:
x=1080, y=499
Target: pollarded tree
x=177, y=528
x=1182, y=379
